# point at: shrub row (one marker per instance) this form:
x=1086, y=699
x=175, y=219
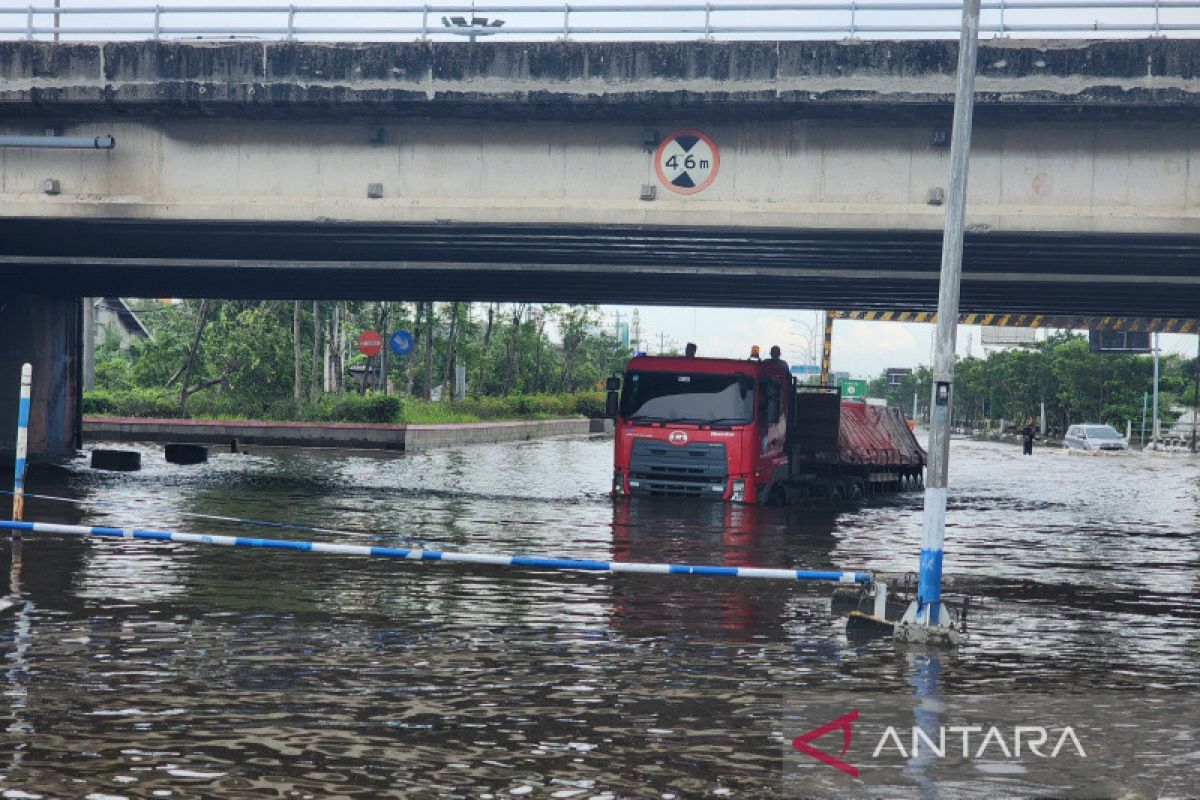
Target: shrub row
x=374, y=408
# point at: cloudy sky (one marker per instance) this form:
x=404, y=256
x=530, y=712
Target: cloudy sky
x=864, y=349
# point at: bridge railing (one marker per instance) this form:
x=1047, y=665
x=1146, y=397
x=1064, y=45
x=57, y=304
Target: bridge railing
x=599, y=21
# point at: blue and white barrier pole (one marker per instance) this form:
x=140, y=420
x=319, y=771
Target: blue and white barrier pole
x=414, y=554
x=18, y=506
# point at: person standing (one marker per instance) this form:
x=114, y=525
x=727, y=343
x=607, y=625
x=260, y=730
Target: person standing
x=1027, y=438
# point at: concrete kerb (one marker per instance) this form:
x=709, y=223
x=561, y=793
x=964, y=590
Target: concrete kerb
x=343, y=435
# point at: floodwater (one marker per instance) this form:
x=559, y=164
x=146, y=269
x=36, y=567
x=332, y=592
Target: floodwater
x=140, y=669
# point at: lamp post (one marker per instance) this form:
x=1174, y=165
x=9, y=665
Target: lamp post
x=809, y=338
x=473, y=27
x=926, y=619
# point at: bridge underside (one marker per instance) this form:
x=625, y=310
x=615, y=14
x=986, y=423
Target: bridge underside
x=1049, y=273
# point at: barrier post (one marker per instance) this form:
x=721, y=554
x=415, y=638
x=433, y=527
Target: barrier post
x=18, y=506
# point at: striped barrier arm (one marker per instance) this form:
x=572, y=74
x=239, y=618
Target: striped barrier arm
x=413, y=554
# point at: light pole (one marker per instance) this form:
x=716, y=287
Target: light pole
x=810, y=338
x=926, y=619
x=474, y=27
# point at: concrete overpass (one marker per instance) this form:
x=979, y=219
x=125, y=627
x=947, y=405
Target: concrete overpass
x=531, y=170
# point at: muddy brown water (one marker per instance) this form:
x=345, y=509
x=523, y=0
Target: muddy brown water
x=136, y=669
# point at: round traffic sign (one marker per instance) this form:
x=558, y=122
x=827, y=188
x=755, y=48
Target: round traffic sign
x=401, y=343
x=370, y=343
x=687, y=162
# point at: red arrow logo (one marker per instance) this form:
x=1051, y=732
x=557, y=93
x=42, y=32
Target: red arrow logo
x=843, y=722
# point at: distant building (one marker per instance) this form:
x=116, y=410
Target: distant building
x=994, y=338
x=896, y=375
x=114, y=316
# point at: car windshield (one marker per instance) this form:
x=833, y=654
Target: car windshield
x=688, y=397
x=1101, y=432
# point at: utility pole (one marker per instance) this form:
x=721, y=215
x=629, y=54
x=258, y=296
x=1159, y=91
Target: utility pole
x=1154, y=415
x=925, y=616
x=1196, y=394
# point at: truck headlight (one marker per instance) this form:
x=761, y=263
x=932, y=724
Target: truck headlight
x=737, y=491
x=618, y=487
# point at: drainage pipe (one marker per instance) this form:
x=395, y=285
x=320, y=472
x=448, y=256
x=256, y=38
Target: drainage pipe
x=60, y=142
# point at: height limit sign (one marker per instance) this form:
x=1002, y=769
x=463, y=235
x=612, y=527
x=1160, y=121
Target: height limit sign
x=687, y=162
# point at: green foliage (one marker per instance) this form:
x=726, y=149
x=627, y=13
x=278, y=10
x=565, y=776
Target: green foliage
x=1075, y=384
x=369, y=408
x=590, y=404
x=133, y=403
x=244, y=366
x=357, y=408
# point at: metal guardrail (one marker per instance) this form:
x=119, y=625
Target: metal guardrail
x=606, y=21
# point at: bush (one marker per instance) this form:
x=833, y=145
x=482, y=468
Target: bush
x=376, y=408
x=590, y=404
x=99, y=402
x=369, y=408
x=132, y=403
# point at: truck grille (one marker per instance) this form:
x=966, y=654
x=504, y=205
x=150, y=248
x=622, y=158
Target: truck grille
x=692, y=470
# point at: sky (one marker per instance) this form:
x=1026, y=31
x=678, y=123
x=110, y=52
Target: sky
x=941, y=22
x=864, y=349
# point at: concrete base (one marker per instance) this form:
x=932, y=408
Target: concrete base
x=926, y=634
x=942, y=632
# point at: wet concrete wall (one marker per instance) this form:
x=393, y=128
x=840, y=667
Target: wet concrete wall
x=569, y=80
x=44, y=332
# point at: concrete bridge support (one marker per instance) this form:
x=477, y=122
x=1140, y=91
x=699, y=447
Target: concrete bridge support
x=44, y=332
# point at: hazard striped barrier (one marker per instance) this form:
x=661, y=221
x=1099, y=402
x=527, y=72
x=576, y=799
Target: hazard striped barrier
x=415, y=554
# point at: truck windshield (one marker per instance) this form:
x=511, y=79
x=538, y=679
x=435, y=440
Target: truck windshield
x=697, y=398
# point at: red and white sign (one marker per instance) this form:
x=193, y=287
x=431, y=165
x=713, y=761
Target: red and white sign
x=677, y=437
x=370, y=343
x=687, y=162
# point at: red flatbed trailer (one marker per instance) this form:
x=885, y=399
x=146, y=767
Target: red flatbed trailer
x=747, y=432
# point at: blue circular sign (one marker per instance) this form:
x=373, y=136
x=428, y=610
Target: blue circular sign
x=401, y=343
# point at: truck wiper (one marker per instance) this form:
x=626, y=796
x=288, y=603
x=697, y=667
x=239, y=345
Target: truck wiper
x=643, y=418
x=727, y=421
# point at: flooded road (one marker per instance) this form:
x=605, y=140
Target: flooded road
x=137, y=669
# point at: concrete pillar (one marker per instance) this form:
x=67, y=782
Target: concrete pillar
x=46, y=332
x=89, y=343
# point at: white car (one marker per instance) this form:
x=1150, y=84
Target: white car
x=1094, y=437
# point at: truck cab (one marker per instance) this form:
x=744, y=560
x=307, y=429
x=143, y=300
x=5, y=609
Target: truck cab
x=702, y=427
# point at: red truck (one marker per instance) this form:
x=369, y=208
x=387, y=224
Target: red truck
x=748, y=432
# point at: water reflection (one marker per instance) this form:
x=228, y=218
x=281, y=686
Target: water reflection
x=135, y=668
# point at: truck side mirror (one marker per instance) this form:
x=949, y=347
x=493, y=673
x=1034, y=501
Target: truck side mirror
x=612, y=384
x=610, y=404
